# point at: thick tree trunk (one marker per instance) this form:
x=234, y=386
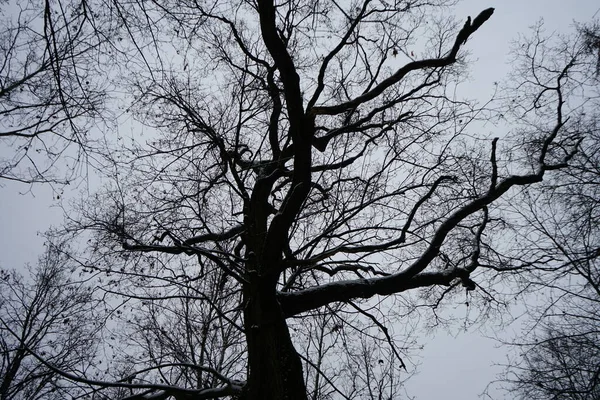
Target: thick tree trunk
x=274, y=367
x=11, y=372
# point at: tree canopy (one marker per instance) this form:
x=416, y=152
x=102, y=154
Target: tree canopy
x=557, y=224
x=300, y=180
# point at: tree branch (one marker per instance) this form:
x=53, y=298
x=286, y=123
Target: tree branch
x=467, y=30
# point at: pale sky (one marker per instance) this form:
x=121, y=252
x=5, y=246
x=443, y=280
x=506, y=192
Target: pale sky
x=451, y=367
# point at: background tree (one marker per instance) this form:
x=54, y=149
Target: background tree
x=308, y=176
x=49, y=94
x=560, y=355
x=560, y=240
x=50, y=317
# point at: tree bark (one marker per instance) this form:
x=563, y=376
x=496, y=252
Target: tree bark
x=274, y=367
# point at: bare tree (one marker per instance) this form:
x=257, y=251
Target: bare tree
x=557, y=227
x=309, y=176
x=49, y=91
x=45, y=321
x=183, y=333
x=560, y=356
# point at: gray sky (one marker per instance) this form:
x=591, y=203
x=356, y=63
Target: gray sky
x=451, y=367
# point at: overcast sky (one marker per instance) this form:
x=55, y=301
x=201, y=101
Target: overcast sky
x=451, y=368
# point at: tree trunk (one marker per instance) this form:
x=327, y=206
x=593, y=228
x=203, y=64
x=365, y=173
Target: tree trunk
x=274, y=367
x=11, y=372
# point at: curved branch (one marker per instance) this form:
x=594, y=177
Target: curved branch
x=467, y=30
x=413, y=276
x=232, y=387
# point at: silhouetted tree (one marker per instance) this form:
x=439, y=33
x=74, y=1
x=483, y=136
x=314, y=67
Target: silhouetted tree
x=49, y=94
x=309, y=180
x=48, y=320
x=560, y=355
x=558, y=230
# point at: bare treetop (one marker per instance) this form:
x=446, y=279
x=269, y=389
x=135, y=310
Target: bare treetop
x=301, y=162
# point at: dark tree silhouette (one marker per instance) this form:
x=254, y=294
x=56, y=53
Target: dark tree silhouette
x=47, y=320
x=557, y=228
x=49, y=94
x=560, y=356
x=308, y=176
